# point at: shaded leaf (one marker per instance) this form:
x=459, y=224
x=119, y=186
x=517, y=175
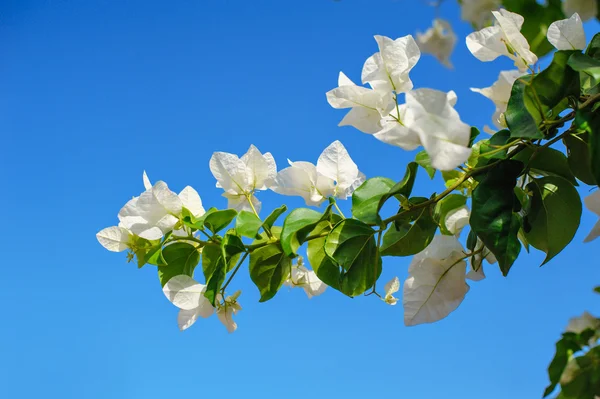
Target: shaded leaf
x=298, y=225
x=367, y=198
x=181, y=258
x=269, y=268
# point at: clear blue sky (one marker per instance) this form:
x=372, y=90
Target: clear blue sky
x=94, y=92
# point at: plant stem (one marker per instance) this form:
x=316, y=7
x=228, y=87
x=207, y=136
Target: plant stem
x=234, y=272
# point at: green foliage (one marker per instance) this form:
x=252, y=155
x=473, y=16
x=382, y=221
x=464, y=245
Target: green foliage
x=541, y=98
x=247, y=224
x=297, y=226
x=579, y=157
x=423, y=160
x=217, y=261
x=412, y=232
x=352, y=246
x=546, y=162
x=269, y=268
x=493, y=216
x=180, y=258
x=325, y=268
x=367, y=198
x=589, y=122
x=272, y=218
x=218, y=220
x=554, y=215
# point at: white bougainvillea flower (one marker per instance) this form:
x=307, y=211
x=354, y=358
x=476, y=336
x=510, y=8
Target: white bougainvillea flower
x=301, y=277
x=567, y=34
x=436, y=284
x=584, y=322
x=368, y=106
x=479, y=12
x=499, y=93
x=439, y=41
x=476, y=272
x=188, y=295
x=592, y=202
x=429, y=119
x=153, y=214
x=587, y=9
x=504, y=38
x=388, y=69
x=335, y=175
x=391, y=288
x=241, y=177
x=115, y=239
x=457, y=219
x=227, y=309
x=188, y=196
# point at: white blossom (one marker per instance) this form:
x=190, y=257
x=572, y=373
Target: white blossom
x=188, y=295
x=335, y=175
x=391, y=288
x=227, y=309
x=429, y=119
x=115, y=239
x=457, y=219
x=439, y=41
x=479, y=12
x=300, y=276
x=592, y=202
x=241, y=177
x=476, y=272
x=504, y=38
x=368, y=106
x=500, y=93
x=587, y=9
x=388, y=69
x=436, y=284
x=584, y=322
x=567, y=34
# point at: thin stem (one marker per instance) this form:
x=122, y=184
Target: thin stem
x=194, y=239
x=339, y=210
x=589, y=101
x=234, y=272
x=249, y=198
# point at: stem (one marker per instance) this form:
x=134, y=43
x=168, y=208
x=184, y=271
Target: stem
x=339, y=210
x=234, y=272
x=249, y=199
x=194, y=239
x=254, y=247
x=589, y=101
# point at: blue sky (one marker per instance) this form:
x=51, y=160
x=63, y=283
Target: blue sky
x=92, y=93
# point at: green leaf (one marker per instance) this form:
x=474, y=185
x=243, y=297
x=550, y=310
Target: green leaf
x=298, y=225
x=272, y=218
x=486, y=150
x=155, y=257
x=554, y=216
x=269, y=268
x=597, y=290
x=564, y=349
x=197, y=223
x=405, y=239
x=586, y=64
x=546, y=162
x=589, y=122
x=323, y=266
x=474, y=134
x=538, y=18
x=218, y=220
x=423, y=160
x=593, y=49
x=471, y=241
x=444, y=207
x=367, y=197
x=492, y=216
x=404, y=187
x=247, y=224
x=181, y=258
x=541, y=98
x=217, y=261
x=579, y=158
x=351, y=244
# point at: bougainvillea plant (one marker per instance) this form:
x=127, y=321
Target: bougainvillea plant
x=508, y=191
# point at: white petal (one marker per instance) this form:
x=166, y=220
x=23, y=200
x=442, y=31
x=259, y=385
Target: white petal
x=439, y=41
x=302, y=179
x=592, y=202
x=115, y=239
x=167, y=198
x=567, y=34
x=185, y=293
x=185, y=318
x=240, y=202
x=230, y=172
x=225, y=315
x=511, y=24
x=392, y=286
x=147, y=184
x=478, y=12
x=344, y=80
x=595, y=233
x=581, y=323
x=433, y=291
x=335, y=163
x=457, y=219
x=486, y=44
x=476, y=275
x=364, y=119
x=500, y=93
x=261, y=169
x=388, y=70
x=399, y=134
x=191, y=201
x=445, y=248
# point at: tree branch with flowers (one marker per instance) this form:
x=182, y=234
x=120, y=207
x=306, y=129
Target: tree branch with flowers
x=515, y=189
